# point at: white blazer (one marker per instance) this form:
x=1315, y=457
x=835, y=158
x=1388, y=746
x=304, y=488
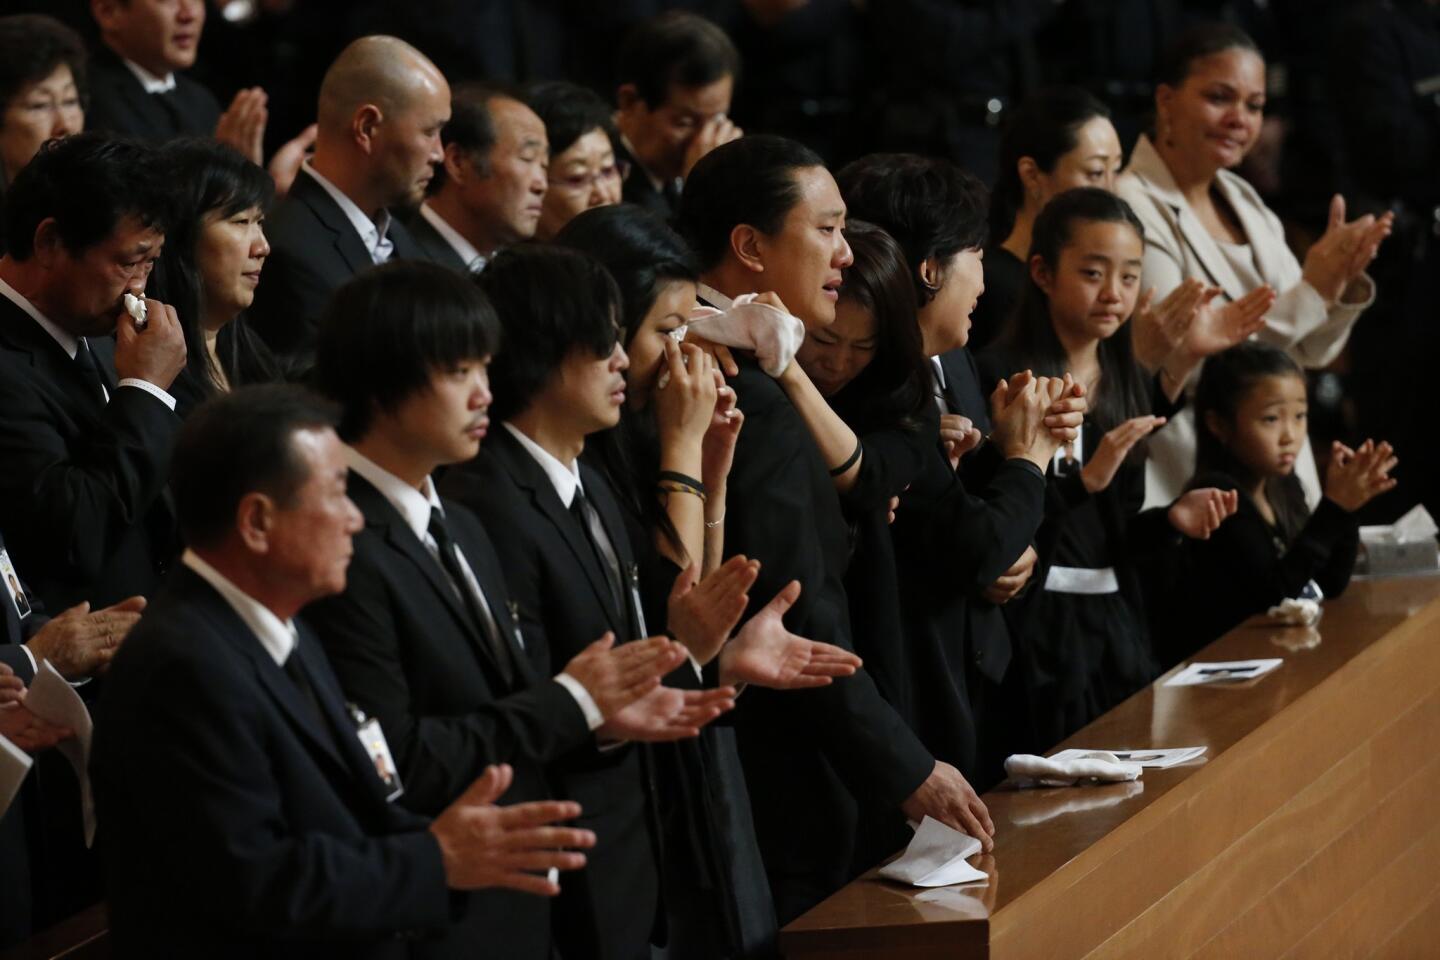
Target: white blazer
x=1178, y=246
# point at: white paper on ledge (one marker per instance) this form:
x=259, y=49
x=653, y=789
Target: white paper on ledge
x=936, y=858
x=1159, y=758
x=14, y=765
x=52, y=699
x=1223, y=672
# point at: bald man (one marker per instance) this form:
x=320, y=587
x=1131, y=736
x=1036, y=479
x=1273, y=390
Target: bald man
x=382, y=106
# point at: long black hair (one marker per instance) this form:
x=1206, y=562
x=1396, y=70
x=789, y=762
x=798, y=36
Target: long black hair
x=1030, y=340
x=1044, y=128
x=1224, y=382
x=894, y=387
x=643, y=255
x=206, y=178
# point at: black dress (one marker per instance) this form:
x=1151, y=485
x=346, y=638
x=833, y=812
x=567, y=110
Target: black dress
x=713, y=886
x=1248, y=565
x=1005, y=279
x=1082, y=653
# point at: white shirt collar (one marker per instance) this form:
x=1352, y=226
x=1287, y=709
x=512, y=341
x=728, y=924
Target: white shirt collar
x=565, y=479
x=473, y=259
x=67, y=340
x=276, y=636
x=714, y=297
x=372, y=232
x=148, y=80
x=413, y=504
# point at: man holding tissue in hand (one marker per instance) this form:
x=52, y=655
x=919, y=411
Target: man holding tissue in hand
x=86, y=422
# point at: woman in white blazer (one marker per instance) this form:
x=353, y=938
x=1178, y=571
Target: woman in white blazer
x=1203, y=221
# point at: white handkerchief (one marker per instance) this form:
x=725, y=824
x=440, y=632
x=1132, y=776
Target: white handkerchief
x=1159, y=758
x=1054, y=772
x=936, y=857
x=14, y=764
x=772, y=334
x=1295, y=611
x=51, y=698
x=1222, y=672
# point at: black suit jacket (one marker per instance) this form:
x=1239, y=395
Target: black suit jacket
x=638, y=189
x=83, y=499
x=314, y=249
x=407, y=653
x=564, y=605
x=433, y=247
x=119, y=104
x=234, y=822
x=807, y=754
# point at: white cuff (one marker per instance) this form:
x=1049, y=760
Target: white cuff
x=695, y=665
x=151, y=389
x=593, y=718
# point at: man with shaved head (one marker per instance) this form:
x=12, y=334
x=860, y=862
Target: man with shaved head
x=382, y=106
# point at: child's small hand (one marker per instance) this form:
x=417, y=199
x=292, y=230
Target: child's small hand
x=1199, y=513
x=1114, y=447
x=1355, y=477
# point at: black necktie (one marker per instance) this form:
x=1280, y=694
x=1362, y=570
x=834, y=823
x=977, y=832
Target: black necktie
x=296, y=672
x=171, y=105
x=600, y=543
x=90, y=370
x=479, y=612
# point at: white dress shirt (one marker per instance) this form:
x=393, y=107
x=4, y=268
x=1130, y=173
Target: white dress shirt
x=372, y=232
x=277, y=636
x=414, y=506
x=148, y=80
x=71, y=344
x=473, y=259
x=566, y=481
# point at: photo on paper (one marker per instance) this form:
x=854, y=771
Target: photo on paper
x=12, y=585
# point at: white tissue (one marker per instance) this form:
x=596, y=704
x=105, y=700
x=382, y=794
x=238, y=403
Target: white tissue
x=1046, y=771
x=936, y=857
x=1295, y=612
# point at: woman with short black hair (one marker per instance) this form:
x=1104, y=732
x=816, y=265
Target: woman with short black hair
x=42, y=87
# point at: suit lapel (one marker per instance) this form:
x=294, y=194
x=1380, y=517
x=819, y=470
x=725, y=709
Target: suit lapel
x=1147, y=164
x=614, y=523
x=268, y=673
x=22, y=334
x=348, y=244
x=492, y=584
x=1254, y=225
x=531, y=476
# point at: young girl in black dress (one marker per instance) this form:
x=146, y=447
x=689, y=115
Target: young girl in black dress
x=1080, y=632
x=1250, y=408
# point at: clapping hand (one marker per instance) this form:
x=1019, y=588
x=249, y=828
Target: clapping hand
x=701, y=615
x=79, y=643
x=666, y=713
x=483, y=845
x=242, y=125
x=766, y=654
x=959, y=436
x=1355, y=477
x=1112, y=450
x=1339, y=258
x=1199, y=513
x=616, y=677
x=1008, y=586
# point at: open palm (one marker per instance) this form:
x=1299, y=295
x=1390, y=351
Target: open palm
x=766, y=654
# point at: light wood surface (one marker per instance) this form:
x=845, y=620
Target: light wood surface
x=1310, y=830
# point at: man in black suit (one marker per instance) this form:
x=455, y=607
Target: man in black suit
x=135, y=87
x=676, y=77
x=764, y=213
x=424, y=636
x=86, y=423
x=488, y=192
x=559, y=530
x=241, y=810
x=382, y=106
x=77, y=643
